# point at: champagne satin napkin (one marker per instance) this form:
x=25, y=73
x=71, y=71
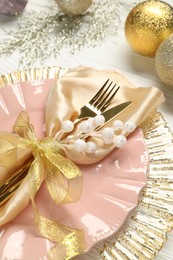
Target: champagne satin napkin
x=78, y=86
x=65, y=98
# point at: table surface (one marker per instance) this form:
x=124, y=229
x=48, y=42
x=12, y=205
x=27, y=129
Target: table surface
x=113, y=53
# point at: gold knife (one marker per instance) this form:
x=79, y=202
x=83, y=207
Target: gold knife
x=115, y=111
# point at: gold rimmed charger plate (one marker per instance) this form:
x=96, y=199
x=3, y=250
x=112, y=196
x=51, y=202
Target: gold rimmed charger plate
x=145, y=231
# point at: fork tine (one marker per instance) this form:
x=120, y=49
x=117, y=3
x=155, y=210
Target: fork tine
x=98, y=93
x=105, y=103
x=103, y=100
x=100, y=98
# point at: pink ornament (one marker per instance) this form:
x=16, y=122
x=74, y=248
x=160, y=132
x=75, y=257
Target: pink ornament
x=12, y=6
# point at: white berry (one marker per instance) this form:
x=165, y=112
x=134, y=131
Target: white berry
x=107, y=133
x=117, y=125
x=99, y=120
x=90, y=147
x=129, y=126
x=79, y=145
x=67, y=126
x=120, y=141
x=91, y=120
x=85, y=127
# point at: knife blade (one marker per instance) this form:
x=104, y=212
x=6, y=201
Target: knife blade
x=115, y=111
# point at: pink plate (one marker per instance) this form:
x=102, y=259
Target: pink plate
x=110, y=191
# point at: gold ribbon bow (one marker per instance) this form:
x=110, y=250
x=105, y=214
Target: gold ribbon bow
x=63, y=179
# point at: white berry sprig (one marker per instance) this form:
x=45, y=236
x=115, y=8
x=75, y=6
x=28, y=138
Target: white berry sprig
x=88, y=128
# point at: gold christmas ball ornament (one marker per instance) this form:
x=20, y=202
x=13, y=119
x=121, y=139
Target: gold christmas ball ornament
x=147, y=25
x=164, y=61
x=73, y=7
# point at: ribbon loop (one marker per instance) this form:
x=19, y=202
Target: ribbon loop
x=63, y=179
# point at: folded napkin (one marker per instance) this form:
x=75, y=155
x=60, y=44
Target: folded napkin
x=65, y=98
x=78, y=86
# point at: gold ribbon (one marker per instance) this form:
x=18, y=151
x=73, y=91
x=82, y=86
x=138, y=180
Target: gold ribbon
x=63, y=179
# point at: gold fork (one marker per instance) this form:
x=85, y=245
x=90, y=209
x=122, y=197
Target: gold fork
x=100, y=101
x=97, y=105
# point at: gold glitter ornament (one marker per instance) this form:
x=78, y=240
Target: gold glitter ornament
x=164, y=61
x=73, y=7
x=147, y=25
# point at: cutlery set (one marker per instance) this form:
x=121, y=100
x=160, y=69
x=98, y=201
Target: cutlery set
x=96, y=106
